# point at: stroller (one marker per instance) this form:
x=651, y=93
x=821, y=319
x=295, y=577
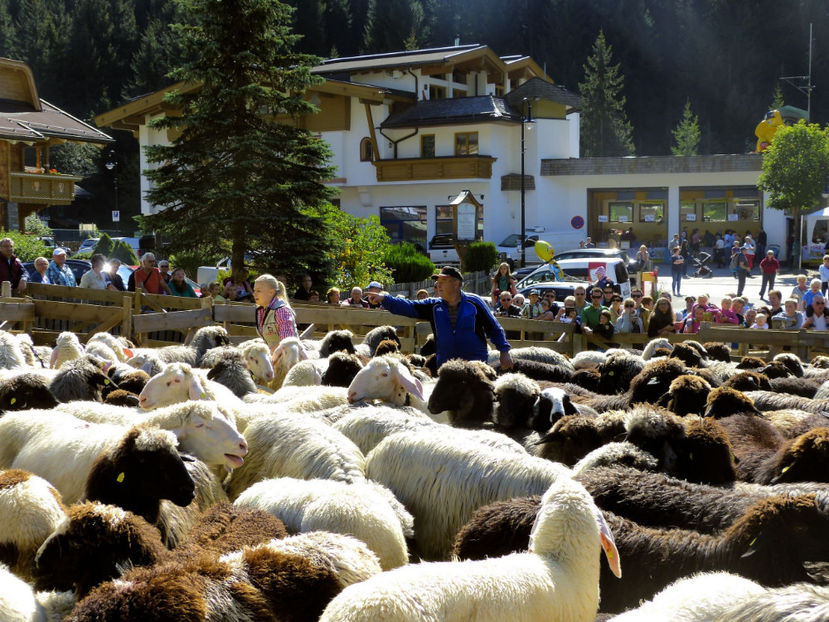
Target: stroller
x=700, y=261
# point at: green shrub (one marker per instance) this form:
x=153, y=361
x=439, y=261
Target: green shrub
x=105, y=245
x=406, y=264
x=480, y=256
x=27, y=247
x=37, y=227
x=124, y=252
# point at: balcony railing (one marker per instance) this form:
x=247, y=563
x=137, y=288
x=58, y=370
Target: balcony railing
x=42, y=189
x=418, y=169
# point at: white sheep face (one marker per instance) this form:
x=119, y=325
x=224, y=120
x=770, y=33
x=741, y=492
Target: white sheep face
x=177, y=383
x=384, y=378
x=258, y=361
x=215, y=442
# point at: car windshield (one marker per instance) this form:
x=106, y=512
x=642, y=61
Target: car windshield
x=511, y=240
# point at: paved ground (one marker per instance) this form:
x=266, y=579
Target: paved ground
x=723, y=284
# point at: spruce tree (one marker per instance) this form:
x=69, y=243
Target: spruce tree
x=240, y=168
x=777, y=99
x=605, y=129
x=686, y=134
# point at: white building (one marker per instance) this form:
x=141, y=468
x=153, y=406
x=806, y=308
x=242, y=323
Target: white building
x=410, y=130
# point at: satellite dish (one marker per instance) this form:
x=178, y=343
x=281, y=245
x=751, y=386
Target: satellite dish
x=544, y=250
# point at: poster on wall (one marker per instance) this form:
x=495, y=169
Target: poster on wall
x=733, y=217
x=650, y=218
x=466, y=221
x=603, y=218
x=690, y=217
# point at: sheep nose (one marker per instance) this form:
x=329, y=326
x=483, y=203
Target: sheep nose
x=352, y=397
x=243, y=446
x=142, y=399
x=269, y=375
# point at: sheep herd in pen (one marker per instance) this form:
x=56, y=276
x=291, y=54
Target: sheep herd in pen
x=343, y=480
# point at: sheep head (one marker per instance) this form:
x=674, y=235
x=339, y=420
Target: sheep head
x=385, y=378
x=176, y=383
x=686, y=395
x=725, y=401
x=465, y=389
x=792, y=362
x=748, y=381
x=805, y=458
x=516, y=395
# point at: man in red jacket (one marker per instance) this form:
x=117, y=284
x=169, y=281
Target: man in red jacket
x=10, y=267
x=769, y=267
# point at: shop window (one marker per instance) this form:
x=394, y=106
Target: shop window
x=427, y=146
x=620, y=211
x=366, y=150
x=652, y=212
x=714, y=211
x=405, y=224
x=688, y=211
x=466, y=143
x=744, y=209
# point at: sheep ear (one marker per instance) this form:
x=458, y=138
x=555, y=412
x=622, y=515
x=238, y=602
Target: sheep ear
x=609, y=545
x=303, y=353
x=569, y=407
x=128, y=353
x=196, y=389
x=148, y=367
x=409, y=382
x=54, y=358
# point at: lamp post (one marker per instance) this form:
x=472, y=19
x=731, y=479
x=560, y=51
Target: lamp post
x=528, y=119
x=111, y=165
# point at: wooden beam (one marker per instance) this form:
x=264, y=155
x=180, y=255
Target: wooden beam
x=372, y=133
x=175, y=320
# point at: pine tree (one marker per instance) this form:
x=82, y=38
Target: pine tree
x=390, y=23
x=686, y=134
x=8, y=37
x=605, y=130
x=240, y=169
x=777, y=99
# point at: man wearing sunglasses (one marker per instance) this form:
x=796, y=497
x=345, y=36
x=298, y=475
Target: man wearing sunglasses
x=591, y=314
x=148, y=277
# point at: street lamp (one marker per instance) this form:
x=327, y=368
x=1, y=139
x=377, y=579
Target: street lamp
x=111, y=165
x=525, y=120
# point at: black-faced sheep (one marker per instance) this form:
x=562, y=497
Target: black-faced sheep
x=751, y=362
x=342, y=367
x=235, y=375
x=429, y=347
x=337, y=341
x=687, y=395
x=119, y=397
x=387, y=346
x=616, y=373
x=374, y=337
x=206, y=337
x=24, y=391
x=522, y=407
x=689, y=355
x=775, y=369
x=792, y=362
x=465, y=389
x=748, y=381
x=725, y=401
x=141, y=470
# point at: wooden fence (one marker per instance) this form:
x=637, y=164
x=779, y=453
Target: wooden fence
x=153, y=320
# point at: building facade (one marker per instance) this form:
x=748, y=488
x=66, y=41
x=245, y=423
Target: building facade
x=410, y=130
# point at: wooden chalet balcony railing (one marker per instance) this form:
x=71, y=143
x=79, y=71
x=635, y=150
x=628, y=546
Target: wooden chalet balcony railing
x=417, y=169
x=42, y=189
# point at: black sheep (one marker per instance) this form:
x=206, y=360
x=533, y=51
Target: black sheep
x=689, y=355
x=142, y=469
x=751, y=362
x=119, y=397
x=342, y=367
x=234, y=374
x=78, y=380
x=725, y=401
x=718, y=351
x=387, y=346
x=24, y=392
x=805, y=387
x=775, y=369
x=617, y=372
x=686, y=395
x=337, y=341
x=466, y=390
x=429, y=346
x=792, y=362
x=748, y=381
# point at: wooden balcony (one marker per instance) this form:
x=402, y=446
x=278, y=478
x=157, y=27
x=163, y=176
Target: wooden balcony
x=40, y=189
x=424, y=169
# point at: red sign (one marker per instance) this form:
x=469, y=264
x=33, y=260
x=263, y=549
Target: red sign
x=577, y=222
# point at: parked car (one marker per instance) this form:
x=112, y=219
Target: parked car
x=442, y=250
x=584, y=270
x=79, y=267
x=88, y=245
x=208, y=274
x=561, y=288
x=589, y=253
x=510, y=249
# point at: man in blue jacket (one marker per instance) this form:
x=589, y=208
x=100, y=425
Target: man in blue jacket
x=460, y=322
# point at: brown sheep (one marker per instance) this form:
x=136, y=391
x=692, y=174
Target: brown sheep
x=725, y=401
x=718, y=351
x=686, y=395
x=751, y=362
x=466, y=390
x=748, y=381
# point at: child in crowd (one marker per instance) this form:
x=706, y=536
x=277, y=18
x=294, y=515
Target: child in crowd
x=727, y=314
x=760, y=322
x=799, y=290
x=605, y=327
x=824, y=275
x=790, y=317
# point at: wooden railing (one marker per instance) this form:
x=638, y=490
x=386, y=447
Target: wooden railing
x=152, y=320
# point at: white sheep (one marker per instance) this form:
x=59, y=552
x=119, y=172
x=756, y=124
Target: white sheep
x=288, y=353
x=20, y=603
x=305, y=374
x=367, y=426
x=61, y=448
x=355, y=509
x=653, y=344
x=148, y=360
x=67, y=348
x=122, y=353
x=587, y=359
x=698, y=598
x=533, y=353
x=11, y=354
x=30, y=510
x=178, y=382
x=558, y=579
x=348, y=558
x=388, y=379
x=430, y=468
x=258, y=359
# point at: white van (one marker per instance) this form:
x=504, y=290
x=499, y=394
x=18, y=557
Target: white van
x=583, y=269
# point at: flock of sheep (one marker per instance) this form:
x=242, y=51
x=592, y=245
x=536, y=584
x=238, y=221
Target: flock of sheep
x=345, y=481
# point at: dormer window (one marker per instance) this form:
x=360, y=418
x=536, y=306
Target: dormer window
x=366, y=150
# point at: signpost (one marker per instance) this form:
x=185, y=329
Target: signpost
x=465, y=222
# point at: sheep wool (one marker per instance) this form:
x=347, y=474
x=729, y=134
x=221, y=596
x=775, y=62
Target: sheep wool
x=67, y=348
x=19, y=603
x=30, y=510
x=556, y=580
x=324, y=505
x=11, y=352
x=428, y=469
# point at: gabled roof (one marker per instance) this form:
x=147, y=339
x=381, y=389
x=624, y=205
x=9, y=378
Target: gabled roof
x=485, y=108
x=536, y=88
x=409, y=58
x=21, y=122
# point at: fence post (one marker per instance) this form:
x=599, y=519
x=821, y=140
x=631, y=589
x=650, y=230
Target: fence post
x=136, y=309
x=126, y=317
x=6, y=289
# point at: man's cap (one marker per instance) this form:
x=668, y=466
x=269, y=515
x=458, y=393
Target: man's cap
x=375, y=284
x=450, y=272
x=687, y=298
x=58, y=251
x=769, y=252
x=533, y=292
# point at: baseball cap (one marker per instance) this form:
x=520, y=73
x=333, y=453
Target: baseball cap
x=376, y=284
x=533, y=292
x=58, y=251
x=450, y=272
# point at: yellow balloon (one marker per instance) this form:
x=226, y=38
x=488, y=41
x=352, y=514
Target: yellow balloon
x=544, y=250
